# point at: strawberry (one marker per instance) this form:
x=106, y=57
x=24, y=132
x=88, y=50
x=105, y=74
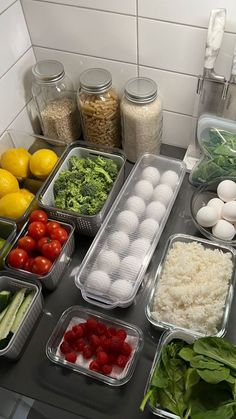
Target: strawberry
x=116, y=344
x=87, y=352
x=91, y=324
x=78, y=330
x=94, y=366
x=69, y=336
x=122, y=334
x=65, y=347
x=111, y=331
x=107, y=369
x=126, y=349
x=71, y=357
x=94, y=340
x=102, y=358
x=101, y=329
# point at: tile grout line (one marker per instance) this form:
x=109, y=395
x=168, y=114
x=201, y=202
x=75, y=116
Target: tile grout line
x=8, y=7
x=27, y=26
x=16, y=116
x=18, y=59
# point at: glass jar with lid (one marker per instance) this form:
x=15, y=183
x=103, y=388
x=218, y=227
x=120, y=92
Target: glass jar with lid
x=55, y=100
x=141, y=118
x=99, y=108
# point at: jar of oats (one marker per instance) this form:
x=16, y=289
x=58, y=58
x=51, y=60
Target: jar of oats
x=99, y=108
x=55, y=101
x=141, y=118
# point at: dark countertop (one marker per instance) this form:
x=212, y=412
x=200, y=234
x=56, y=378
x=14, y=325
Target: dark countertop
x=35, y=376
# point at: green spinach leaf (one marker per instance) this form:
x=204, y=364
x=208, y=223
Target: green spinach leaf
x=218, y=349
x=204, y=362
x=187, y=353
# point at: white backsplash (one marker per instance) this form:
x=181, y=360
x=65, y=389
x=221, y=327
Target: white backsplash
x=128, y=37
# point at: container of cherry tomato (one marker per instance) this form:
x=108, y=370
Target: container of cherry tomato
x=95, y=345
x=42, y=250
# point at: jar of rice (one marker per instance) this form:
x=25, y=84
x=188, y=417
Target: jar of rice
x=99, y=108
x=141, y=118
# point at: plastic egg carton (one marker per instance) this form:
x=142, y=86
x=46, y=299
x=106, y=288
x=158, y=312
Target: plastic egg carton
x=115, y=264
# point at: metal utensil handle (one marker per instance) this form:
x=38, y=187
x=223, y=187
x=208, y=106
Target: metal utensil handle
x=214, y=37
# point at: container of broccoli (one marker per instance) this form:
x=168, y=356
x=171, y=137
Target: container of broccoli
x=84, y=187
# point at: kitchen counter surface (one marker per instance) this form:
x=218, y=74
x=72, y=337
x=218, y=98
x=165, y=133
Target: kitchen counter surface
x=35, y=376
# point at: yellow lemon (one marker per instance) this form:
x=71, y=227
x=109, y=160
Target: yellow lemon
x=13, y=205
x=42, y=163
x=27, y=194
x=8, y=183
x=16, y=161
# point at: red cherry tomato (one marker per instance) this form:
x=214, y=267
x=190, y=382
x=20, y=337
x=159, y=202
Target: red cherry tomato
x=27, y=243
x=37, y=230
x=41, y=242
x=41, y=265
x=51, y=249
x=51, y=225
x=38, y=215
x=28, y=265
x=17, y=258
x=59, y=234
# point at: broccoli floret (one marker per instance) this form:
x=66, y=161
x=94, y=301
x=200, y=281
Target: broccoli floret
x=85, y=186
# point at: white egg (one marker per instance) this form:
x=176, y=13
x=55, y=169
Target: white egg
x=127, y=221
x=207, y=216
x=151, y=174
x=144, y=189
x=118, y=241
x=156, y=210
x=139, y=248
x=148, y=228
x=216, y=203
x=229, y=211
x=162, y=193
x=129, y=267
x=121, y=289
x=136, y=204
x=223, y=230
x=98, y=281
x=169, y=177
x=108, y=261
x=226, y=190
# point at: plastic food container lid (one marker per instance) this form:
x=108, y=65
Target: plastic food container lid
x=208, y=121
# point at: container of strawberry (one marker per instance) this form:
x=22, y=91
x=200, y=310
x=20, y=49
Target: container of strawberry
x=95, y=345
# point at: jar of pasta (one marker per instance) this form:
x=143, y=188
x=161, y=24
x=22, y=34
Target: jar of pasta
x=99, y=108
x=141, y=118
x=55, y=101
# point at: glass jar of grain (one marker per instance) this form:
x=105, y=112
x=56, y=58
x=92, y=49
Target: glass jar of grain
x=55, y=101
x=141, y=118
x=99, y=108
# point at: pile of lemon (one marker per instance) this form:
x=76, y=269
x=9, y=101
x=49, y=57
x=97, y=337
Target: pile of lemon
x=17, y=164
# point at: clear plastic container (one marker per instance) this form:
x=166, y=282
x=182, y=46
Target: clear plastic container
x=200, y=198
x=32, y=143
x=99, y=107
x=51, y=280
x=165, y=339
x=113, y=268
x=165, y=325
x=55, y=101
x=141, y=118
x=85, y=224
x=7, y=233
x=16, y=343
x=77, y=314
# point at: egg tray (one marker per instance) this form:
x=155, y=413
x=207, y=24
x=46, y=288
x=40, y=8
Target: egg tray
x=111, y=279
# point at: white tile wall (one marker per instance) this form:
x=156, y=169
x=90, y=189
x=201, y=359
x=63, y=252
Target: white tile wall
x=17, y=57
x=118, y=6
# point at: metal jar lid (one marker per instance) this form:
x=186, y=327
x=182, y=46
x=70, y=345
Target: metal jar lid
x=48, y=71
x=141, y=90
x=95, y=80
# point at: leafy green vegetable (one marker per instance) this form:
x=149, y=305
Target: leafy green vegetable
x=195, y=381
x=219, y=147
x=84, y=188
x=216, y=348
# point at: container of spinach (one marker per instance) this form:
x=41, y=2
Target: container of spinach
x=218, y=148
x=192, y=378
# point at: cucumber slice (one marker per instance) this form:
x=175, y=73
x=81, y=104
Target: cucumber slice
x=8, y=319
x=21, y=312
x=2, y=314
x=4, y=299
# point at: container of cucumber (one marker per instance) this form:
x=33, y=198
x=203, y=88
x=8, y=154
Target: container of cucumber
x=20, y=307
